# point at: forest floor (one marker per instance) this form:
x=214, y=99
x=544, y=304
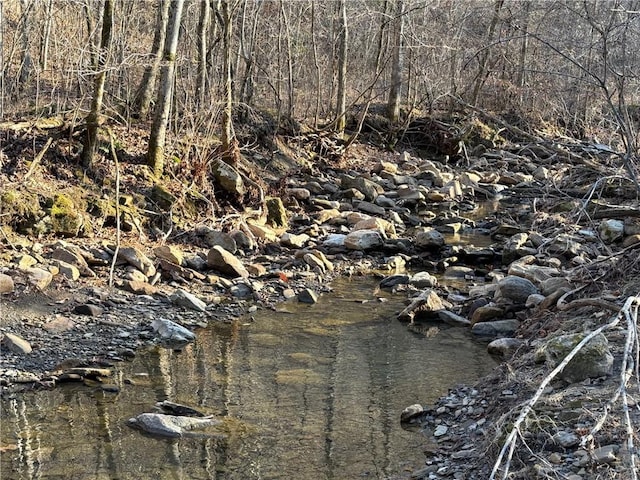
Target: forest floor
x=579, y=430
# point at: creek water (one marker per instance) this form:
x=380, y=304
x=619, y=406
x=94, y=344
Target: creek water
x=307, y=392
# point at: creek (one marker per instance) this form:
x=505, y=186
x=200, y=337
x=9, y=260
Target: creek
x=307, y=392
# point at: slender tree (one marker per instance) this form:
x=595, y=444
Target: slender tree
x=227, y=125
x=203, y=27
x=393, y=106
x=341, y=106
x=93, y=119
x=142, y=102
x=155, y=155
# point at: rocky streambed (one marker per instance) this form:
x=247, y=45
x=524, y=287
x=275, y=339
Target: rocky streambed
x=553, y=265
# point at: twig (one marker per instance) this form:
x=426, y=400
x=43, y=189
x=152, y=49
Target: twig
x=117, y=249
x=38, y=158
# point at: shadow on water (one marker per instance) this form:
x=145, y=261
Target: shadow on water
x=309, y=392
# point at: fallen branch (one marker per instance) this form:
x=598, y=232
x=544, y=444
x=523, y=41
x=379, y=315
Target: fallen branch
x=38, y=158
x=508, y=448
x=115, y=254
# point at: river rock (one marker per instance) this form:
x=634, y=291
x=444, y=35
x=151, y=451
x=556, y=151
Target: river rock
x=172, y=332
x=451, y=318
x=496, y=328
x=486, y=313
x=187, y=300
x=411, y=412
x=334, y=240
x=592, y=361
x=16, y=344
x=308, y=296
x=427, y=301
x=363, y=240
x=211, y=237
x=370, y=189
x=170, y=253
x=224, y=261
x=137, y=259
x=515, y=289
x=228, y=178
x=74, y=256
x=140, y=288
x=263, y=232
x=428, y=239
x=6, y=284
x=294, y=241
x=371, y=208
x=170, y=426
x=38, y=277
x=70, y=271
x=276, y=213
x=298, y=193
x=511, y=249
x=385, y=227
x=504, y=346
x=535, y=273
x=423, y=280
x=611, y=230
x=393, y=280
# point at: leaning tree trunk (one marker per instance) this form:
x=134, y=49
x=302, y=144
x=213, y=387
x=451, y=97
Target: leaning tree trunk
x=155, y=155
x=142, y=102
x=341, y=106
x=393, y=107
x=93, y=119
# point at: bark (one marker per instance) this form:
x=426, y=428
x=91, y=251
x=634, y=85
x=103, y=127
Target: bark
x=290, y=93
x=247, y=88
x=203, y=26
x=341, y=106
x=393, y=106
x=227, y=126
x=157, y=138
x=93, y=119
x=142, y=102
x=46, y=36
x=26, y=63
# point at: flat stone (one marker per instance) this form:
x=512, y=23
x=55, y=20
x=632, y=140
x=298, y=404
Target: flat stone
x=170, y=426
x=451, y=318
x=495, y=328
x=70, y=271
x=185, y=299
x=16, y=344
x=605, y=454
x=486, y=313
x=59, y=324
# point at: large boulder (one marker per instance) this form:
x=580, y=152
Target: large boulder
x=229, y=179
x=592, y=361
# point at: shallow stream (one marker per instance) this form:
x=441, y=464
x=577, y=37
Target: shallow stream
x=308, y=392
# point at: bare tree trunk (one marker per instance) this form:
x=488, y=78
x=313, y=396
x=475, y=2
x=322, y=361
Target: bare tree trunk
x=142, y=102
x=93, y=119
x=393, y=107
x=484, y=57
x=86, y=6
x=341, y=106
x=315, y=64
x=290, y=96
x=203, y=27
x=2, y=60
x=46, y=36
x=524, y=48
x=247, y=89
x=157, y=138
x=227, y=125
x=26, y=63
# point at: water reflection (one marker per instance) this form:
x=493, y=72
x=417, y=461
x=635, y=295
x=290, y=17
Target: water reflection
x=313, y=392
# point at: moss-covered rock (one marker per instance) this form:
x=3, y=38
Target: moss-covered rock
x=276, y=213
x=66, y=215
x=20, y=210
